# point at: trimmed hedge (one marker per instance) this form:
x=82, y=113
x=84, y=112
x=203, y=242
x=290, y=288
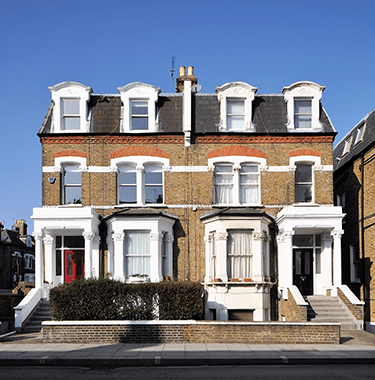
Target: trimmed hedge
x=105, y=299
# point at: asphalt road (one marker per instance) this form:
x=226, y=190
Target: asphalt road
x=287, y=372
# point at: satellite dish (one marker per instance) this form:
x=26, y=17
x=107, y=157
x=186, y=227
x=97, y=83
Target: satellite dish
x=196, y=88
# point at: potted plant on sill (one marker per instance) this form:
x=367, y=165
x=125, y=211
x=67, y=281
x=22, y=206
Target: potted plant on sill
x=139, y=278
x=234, y=280
x=247, y=280
x=217, y=279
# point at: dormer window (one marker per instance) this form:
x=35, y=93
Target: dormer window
x=139, y=115
x=236, y=106
x=70, y=112
x=302, y=113
x=235, y=114
x=138, y=107
x=347, y=146
x=360, y=132
x=303, y=103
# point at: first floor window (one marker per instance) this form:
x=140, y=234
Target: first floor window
x=249, y=184
x=239, y=253
x=302, y=113
x=137, y=253
x=71, y=184
x=223, y=183
x=153, y=184
x=127, y=184
x=235, y=114
x=303, y=183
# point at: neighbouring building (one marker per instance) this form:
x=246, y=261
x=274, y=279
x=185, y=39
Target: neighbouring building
x=17, y=262
x=354, y=182
x=230, y=188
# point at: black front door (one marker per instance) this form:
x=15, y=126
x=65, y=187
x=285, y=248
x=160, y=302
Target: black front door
x=303, y=270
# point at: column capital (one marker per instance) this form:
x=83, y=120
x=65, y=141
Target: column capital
x=156, y=237
x=48, y=239
x=88, y=235
x=337, y=233
x=38, y=235
x=118, y=236
x=221, y=236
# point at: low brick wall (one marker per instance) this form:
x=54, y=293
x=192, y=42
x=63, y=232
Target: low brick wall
x=356, y=310
x=190, y=332
x=290, y=310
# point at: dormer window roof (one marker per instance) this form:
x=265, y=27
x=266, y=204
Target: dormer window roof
x=70, y=107
x=138, y=107
x=302, y=100
x=236, y=106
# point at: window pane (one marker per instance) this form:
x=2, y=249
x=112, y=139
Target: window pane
x=302, y=121
x=58, y=263
x=154, y=194
x=72, y=175
x=303, y=240
x=137, y=248
x=139, y=107
x=303, y=173
x=71, y=123
x=302, y=106
x=69, y=264
x=303, y=193
x=153, y=175
x=139, y=123
x=70, y=107
x=318, y=255
x=127, y=194
x=235, y=123
x=235, y=107
x=72, y=195
x=74, y=242
x=127, y=175
x=223, y=180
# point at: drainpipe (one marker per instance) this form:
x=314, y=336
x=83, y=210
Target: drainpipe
x=363, y=238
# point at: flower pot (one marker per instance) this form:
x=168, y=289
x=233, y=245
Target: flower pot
x=247, y=280
x=234, y=279
x=217, y=279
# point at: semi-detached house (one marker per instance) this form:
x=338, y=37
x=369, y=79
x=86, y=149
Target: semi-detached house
x=230, y=188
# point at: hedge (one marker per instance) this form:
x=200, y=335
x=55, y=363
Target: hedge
x=105, y=299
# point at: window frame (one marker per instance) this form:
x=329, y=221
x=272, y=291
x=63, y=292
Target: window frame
x=65, y=185
x=231, y=116
x=347, y=144
x=298, y=115
x=360, y=133
x=135, y=116
x=355, y=262
x=67, y=116
x=146, y=255
x=304, y=183
x=239, y=256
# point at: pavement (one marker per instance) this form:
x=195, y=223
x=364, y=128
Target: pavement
x=356, y=347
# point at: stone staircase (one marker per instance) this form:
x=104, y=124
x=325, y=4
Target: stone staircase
x=331, y=309
x=40, y=314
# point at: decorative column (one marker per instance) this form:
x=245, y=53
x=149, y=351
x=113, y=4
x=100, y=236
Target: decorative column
x=88, y=236
x=337, y=257
x=95, y=256
x=49, y=259
x=38, y=236
x=140, y=185
x=110, y=256
x=221, y=255
x=156, y=240
x=119, y=265
x=326, y=264
x=285, y=259
x=257, y=272
x=209, y=275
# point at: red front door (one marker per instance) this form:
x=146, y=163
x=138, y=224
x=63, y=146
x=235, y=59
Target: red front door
x=74, y=265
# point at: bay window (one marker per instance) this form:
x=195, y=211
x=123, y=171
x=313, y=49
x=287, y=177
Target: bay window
x=239, y=253
x=137, y=253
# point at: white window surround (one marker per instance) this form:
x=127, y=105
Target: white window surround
x=157, y=226
x=140, y=162
x=142, y=92
x=236, y=91
x=60, y=162
x=70, y=91
x=237, y=161
x=315, y=163
x=303, y=90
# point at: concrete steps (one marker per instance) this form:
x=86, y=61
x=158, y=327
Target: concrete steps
x=330, y=309
x=40, y=314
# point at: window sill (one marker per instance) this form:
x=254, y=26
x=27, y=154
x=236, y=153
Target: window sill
x=237, y=205
x=136, y=205
x=71, y=205
x=305, y=204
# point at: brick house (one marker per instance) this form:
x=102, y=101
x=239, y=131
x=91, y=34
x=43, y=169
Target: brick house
x=354, y=181
x=229, y=188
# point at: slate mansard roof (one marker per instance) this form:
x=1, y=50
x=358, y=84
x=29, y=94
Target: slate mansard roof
x=355, y=150
x=269, y=115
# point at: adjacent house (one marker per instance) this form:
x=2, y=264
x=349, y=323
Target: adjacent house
x=17, y=262
x=354, y=181
x=230, y=188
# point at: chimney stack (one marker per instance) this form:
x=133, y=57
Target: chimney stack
x=183, y=77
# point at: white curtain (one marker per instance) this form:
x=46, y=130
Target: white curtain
x=223, y=178
x=249, y=184
x=137, y=251
x=239, y=253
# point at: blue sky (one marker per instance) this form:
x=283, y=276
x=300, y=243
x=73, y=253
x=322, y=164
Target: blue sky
x=107, y=44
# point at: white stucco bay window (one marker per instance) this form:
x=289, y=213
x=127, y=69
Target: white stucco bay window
x=236, y=180
x=138, y=113
x=140, y=242
x=140, y=179
x=70, y=111
x=237, y=262
x=236, y=106
x=302, y=100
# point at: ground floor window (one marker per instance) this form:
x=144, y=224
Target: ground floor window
x=239, y=253
x=137, y=253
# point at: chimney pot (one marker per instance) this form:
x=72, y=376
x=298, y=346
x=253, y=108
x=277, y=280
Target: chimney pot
x=182, y=71
x=190, y=70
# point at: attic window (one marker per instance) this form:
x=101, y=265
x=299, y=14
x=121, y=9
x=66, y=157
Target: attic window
x=70, y=114
x=139, y=115
x=347, y=146
x=235, y=114
x=302, y=113
x=360, y=132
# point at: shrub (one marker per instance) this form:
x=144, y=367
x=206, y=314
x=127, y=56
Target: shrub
x=105, y=299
